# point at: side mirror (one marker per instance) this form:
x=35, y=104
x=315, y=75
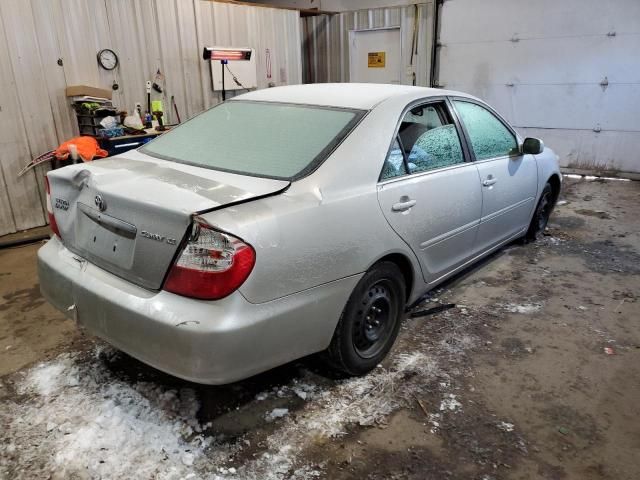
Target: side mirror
x=532, y=146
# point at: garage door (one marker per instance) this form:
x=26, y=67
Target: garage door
x=567, y=72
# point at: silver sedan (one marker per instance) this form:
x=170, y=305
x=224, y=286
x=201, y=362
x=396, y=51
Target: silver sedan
x=289, y=221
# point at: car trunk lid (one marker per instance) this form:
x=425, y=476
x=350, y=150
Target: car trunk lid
x=129, y=214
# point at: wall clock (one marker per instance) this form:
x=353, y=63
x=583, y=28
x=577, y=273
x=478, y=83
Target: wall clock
x=107, y=59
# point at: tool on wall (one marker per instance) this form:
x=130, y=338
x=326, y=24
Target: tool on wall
x=158, y=82
x=147, y=114
x=268, y=62
x=175, y=108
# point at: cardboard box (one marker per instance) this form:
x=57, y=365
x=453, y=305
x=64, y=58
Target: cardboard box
x=84, y=90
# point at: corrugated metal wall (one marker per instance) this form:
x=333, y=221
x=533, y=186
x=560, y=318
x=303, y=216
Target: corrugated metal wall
x=567, y=72
x=147, y=35
x=325, y=41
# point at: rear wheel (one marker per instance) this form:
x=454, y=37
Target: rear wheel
x=370, y=321
x=542, y=214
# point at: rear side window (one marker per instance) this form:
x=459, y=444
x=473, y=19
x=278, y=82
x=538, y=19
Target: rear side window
x=427, y=140
x=488, y=135
x=264, y=139
x=394, y=166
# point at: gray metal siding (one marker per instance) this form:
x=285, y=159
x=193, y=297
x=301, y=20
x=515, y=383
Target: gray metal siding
x=541, y=64
x=146, y=34
x=325, y=40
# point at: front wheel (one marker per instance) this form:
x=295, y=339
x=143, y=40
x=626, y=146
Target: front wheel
x=542, y=214
x=369, y=322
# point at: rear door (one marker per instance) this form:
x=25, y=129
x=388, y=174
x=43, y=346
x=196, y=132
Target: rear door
x=429, y=191
x=509, y=179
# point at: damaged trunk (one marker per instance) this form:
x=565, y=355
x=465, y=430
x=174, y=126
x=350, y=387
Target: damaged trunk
x=129, y=215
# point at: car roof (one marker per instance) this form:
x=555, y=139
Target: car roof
x=363, y=96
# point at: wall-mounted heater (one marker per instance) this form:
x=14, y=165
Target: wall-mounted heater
x=231, y=68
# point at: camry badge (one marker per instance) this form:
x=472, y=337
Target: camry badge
x=158, y=238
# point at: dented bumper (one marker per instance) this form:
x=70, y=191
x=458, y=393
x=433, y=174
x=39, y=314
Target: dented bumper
x=213, y=342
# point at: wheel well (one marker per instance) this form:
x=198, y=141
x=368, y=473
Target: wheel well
x=405, y=267
x=554, y=181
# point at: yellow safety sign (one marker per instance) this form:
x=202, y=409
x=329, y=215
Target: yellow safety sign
x=376, y=59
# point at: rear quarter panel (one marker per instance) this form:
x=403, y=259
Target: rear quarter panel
x=327, y=225
x=303, y=239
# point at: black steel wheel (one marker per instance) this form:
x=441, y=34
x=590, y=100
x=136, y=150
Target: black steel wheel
x=542, y=213
x=370, y=321
x=373, y=320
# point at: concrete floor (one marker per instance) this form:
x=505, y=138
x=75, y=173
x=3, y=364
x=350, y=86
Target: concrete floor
x=535, y=373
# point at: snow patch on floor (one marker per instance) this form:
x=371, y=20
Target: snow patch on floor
x=526, y=308
x=75, y=418
x=450, y=403
x=78, y=419
x=363, y=400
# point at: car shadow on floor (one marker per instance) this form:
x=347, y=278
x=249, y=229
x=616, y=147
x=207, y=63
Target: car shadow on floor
x=232, y=410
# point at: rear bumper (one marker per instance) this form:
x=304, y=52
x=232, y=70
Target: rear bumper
x=213, y=342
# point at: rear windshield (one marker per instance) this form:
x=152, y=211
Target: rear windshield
x=264, y=139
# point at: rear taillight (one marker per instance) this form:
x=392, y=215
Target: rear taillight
x=212, y=265
x=52, y=219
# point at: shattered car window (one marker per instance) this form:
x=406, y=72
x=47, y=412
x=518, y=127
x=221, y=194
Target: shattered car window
x=429, y=139
x=489, y=137
x=436, y=148
x=394, y=165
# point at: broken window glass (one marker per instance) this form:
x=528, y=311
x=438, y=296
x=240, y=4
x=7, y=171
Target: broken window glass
x=429, y=138
x=436, y=148
x=488, y=135
x=394, y=165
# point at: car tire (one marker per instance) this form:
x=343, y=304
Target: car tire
x=541, y=214
x=370, y=321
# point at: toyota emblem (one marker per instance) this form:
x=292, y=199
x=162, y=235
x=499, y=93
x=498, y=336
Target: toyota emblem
x=100, y=203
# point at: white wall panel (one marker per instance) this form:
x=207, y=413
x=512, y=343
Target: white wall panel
x=147, y=35
x=541, y=64
x=20, y=72
x=471, y=21
x=581, y=149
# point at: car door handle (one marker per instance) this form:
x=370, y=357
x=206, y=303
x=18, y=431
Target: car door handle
x=489, y=181
x=402, y=206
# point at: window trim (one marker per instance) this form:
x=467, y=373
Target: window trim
x=466, y=153
x=312, y=166
x=456, y=98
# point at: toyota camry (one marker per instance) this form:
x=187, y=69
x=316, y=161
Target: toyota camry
x=289, y=221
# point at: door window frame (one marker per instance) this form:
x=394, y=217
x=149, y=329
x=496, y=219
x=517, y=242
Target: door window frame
x=452, y=98
x=466, y=152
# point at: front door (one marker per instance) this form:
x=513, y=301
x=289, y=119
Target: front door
x=508, y=178
x=429, y=193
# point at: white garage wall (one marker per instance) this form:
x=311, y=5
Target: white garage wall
x=541, y=64
x=35, y=116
